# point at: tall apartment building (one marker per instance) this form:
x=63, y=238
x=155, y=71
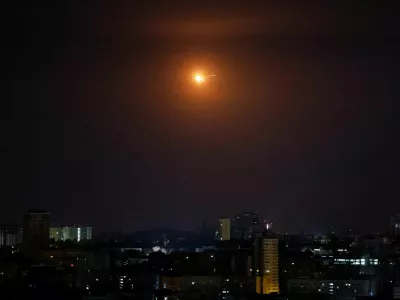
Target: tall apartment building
x=36, y=229
x=10, y=235
x=266, y=264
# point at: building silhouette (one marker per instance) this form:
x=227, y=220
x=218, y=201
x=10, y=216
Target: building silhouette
x=36, y=230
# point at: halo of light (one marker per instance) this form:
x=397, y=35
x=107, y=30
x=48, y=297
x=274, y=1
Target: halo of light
x=203, y=89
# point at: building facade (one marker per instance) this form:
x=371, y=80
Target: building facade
x=56, y=234
x=10, y=235
x=266, y=265
x=341, y=289
x=71, y=233
x=36, y=229
x=208, y=285
x=223, y=232
x=245, y=226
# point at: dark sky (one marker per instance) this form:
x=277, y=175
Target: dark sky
x=103, y=126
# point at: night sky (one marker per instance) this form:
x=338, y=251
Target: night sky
x=103, y=124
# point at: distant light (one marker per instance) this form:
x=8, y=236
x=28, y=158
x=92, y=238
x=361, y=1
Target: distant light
x=71, y=265
x=199, y=78
x=51, y=256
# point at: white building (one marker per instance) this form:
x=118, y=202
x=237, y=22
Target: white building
x=75, y=233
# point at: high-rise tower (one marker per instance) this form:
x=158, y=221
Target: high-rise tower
x=266, y=264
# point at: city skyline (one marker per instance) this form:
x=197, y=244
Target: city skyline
x=224, y=227
x=299, y=124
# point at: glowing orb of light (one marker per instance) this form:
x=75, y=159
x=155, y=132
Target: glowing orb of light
x=198, y=78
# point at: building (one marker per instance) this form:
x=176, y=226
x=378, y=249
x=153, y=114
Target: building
x=246, y=226
x=356, y=261
x=36, y=229
x=10, y=235
x=68, y=233
x=223, y=232
x=52, y=278
x=208, y=285
x=266, y=264
x=77, y=233
x=341, y=289
x=395, y=225
x=234, y=258
x=56, y=234
x=396, y=290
